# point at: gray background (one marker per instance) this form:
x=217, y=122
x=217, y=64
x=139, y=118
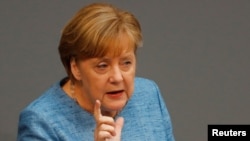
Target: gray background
x=196, y=50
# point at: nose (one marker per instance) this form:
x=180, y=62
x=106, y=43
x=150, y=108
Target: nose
x=116, y=75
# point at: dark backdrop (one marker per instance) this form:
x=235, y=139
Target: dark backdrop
x=196, y=50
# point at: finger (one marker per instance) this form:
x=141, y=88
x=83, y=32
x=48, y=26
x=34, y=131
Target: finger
x=119, y=125
x=106, y=120
x=97, y=110
x=106, y=123
x=108, y=128
x=102, y=135
x=100, y=119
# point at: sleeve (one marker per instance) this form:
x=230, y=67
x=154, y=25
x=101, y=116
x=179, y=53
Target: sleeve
x=32, y=127
x=165, y=115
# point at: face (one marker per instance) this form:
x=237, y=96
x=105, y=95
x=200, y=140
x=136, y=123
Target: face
x=109, y=79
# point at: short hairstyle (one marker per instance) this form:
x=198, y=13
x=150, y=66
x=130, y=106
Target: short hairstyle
x=89, y=33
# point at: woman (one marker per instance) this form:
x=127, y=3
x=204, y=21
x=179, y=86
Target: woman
x=101, y=99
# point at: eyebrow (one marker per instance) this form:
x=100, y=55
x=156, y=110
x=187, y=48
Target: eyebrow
x=127, y=56
x=106, y=58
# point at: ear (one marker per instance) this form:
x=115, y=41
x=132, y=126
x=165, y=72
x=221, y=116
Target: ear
x=75, y=69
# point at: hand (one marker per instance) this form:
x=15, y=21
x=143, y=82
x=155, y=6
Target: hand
x=106, y=128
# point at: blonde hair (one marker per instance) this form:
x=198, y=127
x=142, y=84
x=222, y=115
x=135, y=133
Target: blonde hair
x=90, y=32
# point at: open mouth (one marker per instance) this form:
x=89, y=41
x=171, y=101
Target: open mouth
x=115, y=92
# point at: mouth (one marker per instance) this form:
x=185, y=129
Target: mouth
x=117, y=94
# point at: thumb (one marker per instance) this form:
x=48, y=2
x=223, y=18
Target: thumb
x=119, y=125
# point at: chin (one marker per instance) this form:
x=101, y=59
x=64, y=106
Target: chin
x=115, y=106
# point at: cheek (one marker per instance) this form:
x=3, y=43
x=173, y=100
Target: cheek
x=95, y=91
x=93, y=86
x=130, y=84
x=96, y=86
x=130, y=90
x=92, y=80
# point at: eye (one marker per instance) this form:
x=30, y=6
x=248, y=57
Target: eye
x=127, y=63
x=102, y=65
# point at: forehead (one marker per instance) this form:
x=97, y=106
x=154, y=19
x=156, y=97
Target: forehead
x=108, y=46
x=116, y=46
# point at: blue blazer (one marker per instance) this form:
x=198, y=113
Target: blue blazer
x=54, y=116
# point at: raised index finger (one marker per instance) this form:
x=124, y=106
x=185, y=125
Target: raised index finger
x=97, y=110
